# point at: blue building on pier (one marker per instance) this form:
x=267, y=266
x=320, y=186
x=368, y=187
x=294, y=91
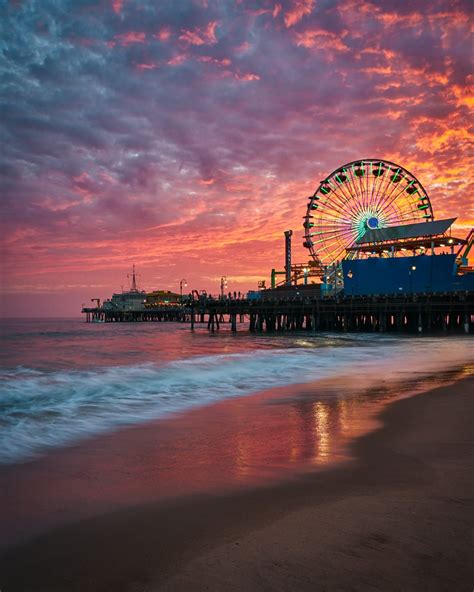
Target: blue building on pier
x=433, y=266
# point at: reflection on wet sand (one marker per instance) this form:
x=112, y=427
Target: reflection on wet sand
x=239, y=442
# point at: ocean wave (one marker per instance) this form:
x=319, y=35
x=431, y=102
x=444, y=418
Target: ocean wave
x=41, y=410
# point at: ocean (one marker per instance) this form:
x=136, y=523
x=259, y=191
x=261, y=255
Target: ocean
x=63, y=381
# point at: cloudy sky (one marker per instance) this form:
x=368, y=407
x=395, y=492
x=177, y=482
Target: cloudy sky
x=185, y=135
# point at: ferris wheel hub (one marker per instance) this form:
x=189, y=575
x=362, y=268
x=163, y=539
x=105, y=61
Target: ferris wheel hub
x=372, y=223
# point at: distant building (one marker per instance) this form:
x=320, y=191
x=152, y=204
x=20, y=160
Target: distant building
x=130, y=300
x=133, y=301
x=162, y=298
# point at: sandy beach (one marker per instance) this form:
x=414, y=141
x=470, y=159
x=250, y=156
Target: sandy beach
x=398, y=517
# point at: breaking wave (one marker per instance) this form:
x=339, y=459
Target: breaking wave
x=41, y=410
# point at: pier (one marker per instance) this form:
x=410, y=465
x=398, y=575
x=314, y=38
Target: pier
x=391, y=268
x=430, y=313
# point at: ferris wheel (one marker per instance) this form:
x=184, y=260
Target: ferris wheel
x=359, y=196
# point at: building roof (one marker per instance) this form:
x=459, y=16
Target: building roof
x=394, y=233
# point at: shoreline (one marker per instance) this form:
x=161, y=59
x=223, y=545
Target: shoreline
x=396, y=517
x=257, y=440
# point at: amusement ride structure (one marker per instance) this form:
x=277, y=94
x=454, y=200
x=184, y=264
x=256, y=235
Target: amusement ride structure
x=360, y=196
x=367, y=208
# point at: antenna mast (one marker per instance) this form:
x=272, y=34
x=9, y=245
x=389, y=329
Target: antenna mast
x=134, y=280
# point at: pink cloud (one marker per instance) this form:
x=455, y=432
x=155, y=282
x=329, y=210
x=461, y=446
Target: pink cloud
x=211, y=60
x=147, y=66
x=200, y=36
x=163, y=34
x=177, y=59
x=246, y=77
x=298, y=10
x=130, y=37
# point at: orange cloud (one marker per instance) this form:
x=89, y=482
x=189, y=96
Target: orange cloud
x=464, y=96
x=454, y=137
x=299, y=9
x=197, y=36
x=320, y=39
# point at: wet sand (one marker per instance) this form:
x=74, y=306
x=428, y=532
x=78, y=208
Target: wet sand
x=398, y=517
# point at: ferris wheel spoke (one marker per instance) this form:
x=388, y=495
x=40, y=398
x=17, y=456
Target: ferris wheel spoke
x=339, y=214
x=400, y=192
x=400, y=218
x=341, y=200
x=378, y=190
x=358, y=184
x=349, y=199
x=329, y=240
x=400, y=209
x=346, y=198
x=327, y=231
x=385, y=195
x=339, y=253
x=399, y=206
x=333, y=207
x=339, y=231
x=331, y=236
x=372, y=186
x=356, y=202
x=350, y=208
x=334, y=216
x=397, y=219
x=358, y=191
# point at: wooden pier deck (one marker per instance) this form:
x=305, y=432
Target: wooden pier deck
x=419, y=313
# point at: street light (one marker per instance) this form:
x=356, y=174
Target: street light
x=182, y=283
x=223, y=285
x=305, y=272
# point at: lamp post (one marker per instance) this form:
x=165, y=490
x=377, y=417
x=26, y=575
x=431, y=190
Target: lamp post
x=182, y=283
x=305, y=276
x=223, y=285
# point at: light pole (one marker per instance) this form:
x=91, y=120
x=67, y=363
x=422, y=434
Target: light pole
x=182, y=283
x=223, y=285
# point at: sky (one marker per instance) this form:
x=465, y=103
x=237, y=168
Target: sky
x=184, y=136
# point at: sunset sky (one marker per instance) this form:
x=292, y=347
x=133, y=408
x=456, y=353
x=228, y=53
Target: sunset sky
x=185, y=136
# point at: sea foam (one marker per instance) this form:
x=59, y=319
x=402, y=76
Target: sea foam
x=41, y=410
